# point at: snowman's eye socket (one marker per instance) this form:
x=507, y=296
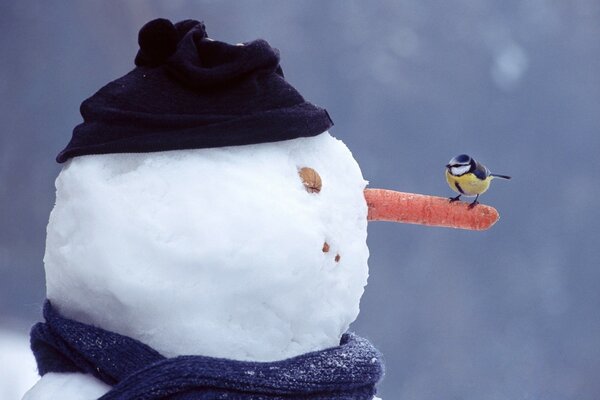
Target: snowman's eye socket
x=310, y=179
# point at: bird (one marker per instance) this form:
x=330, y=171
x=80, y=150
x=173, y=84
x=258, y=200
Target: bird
x=468, y=177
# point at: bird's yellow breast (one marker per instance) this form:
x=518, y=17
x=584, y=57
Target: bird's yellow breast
x=468, y=184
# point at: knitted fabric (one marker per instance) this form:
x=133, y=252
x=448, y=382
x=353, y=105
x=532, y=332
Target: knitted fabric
x=136, y=371
x=190, y=92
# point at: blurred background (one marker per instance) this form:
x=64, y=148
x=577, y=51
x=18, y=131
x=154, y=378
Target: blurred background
x=511, y=313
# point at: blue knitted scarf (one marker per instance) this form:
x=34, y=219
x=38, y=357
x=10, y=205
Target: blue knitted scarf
x=136, y=371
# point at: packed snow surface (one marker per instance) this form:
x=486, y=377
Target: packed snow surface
x=17, y=365
x=67, y=386
x=216, y=252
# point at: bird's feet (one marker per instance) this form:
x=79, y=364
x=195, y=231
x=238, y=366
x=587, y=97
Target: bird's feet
x=453, y=199
x=473, y=204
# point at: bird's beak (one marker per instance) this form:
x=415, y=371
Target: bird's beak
x=410, y=208
x=448, y=166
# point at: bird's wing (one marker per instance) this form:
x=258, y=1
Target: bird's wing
x=481, y=171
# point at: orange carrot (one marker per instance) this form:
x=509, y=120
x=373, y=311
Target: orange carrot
x=409, y=208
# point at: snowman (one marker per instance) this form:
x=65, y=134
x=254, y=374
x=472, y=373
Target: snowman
x=208, y=239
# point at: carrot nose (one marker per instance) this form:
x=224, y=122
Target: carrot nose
x=410, y=208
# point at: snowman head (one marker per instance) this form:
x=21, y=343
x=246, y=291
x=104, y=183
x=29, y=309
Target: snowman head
x=185, y=216
x=220, y=252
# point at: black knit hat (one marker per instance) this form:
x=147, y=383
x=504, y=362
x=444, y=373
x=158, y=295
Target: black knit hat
x=191, y=92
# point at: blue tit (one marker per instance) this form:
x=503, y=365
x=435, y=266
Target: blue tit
x=468, y=177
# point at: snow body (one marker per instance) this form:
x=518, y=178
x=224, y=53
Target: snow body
x=17, y=365
x=215, y=252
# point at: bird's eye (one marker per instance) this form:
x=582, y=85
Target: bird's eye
x=310, y=179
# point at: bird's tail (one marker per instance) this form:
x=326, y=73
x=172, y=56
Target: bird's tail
x=500, y=176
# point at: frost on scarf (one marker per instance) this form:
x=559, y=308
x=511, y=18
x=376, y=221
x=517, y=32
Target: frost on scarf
x=135, y=370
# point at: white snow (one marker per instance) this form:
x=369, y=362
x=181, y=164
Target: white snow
x=17, y=365
x=212, y=251
x=67, y=386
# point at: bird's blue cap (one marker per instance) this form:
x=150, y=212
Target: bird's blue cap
x=463, y=158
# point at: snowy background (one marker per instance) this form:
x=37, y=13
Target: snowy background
x=509, y=313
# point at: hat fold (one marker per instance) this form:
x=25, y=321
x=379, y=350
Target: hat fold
x=193, y=92
x=202, y=63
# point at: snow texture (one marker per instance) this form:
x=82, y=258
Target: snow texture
x=67, y=386
x=17, y=365
x=215, y=252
